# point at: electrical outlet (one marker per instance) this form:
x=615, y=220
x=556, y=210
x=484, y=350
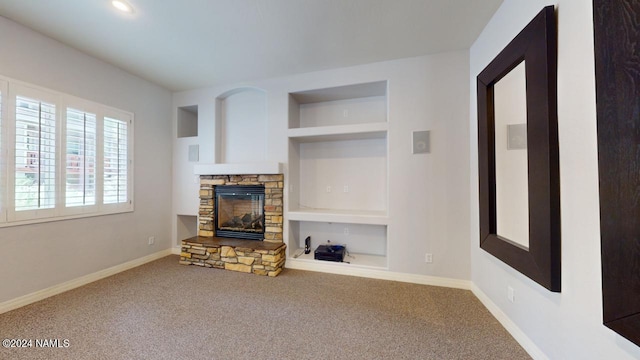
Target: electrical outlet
x=428, y=258
x=346, y=188
x=152, y=240
x=346, y=231
x=345, y=113
x=510, y=294
x=328, y=188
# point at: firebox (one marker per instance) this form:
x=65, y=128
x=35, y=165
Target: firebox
x=239, y=212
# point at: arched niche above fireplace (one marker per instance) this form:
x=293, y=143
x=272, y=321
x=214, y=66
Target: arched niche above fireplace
x=241, y=125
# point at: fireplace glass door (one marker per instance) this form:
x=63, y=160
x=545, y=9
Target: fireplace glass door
x=239, y=212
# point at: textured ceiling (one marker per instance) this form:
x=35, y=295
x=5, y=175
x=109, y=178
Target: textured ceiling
x=187, y=44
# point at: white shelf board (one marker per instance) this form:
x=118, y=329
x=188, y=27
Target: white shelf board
x=368, y=217
x=262, y=168
x=352, y=91
x=376, y=130
x=358, y=260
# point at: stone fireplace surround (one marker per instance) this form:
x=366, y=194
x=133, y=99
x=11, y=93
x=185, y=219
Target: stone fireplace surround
x=273, y=186
x=258, y=257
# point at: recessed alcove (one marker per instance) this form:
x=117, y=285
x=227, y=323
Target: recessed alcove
x=188, y=121
x=187, y=226
x=338, y=166
x=241, y=126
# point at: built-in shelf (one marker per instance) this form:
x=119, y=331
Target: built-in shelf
x=339, y=132
x=370, y=217
x=346, y=92
x=337, y=174
x=354, y=260
x=187, y=121
x=187, y=227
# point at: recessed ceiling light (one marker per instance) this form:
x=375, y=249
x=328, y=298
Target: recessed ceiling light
x=122, y=6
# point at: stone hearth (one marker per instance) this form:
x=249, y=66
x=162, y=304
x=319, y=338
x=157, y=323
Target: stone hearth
x=249, y=256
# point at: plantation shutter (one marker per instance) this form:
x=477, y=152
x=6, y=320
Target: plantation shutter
x=35, y=154
x=80, y=174
x=115, y=161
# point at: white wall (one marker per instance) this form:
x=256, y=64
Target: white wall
x=429, y=198
x=34, y=257
x=566, y=325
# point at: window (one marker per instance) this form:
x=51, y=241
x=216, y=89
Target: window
x=67, y=157
x=116, y=162
x=35, y=154
x=80, y=172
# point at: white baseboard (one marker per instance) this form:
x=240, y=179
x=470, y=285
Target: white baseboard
x=513, y=329
x=377, y=274
x=176, y=250
x=83, y=280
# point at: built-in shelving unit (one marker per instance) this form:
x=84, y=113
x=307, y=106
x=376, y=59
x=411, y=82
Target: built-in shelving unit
x=337, y=176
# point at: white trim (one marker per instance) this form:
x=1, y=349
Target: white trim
x=176, y=250
x=513, y=329
x=379, y=274
x=83, y=280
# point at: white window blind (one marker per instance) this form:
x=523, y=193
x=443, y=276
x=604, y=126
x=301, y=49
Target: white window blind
x=80, y=172
x=115, y=161
x=35, y=154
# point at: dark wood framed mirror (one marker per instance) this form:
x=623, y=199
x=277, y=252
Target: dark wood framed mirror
x=538, y=255
x=616, y=34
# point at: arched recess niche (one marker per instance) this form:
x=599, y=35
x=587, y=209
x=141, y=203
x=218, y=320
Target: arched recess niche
x=241, y=126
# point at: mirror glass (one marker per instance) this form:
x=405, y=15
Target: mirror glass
x=512, y=191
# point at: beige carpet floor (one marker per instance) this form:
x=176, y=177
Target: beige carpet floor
x=163, y=310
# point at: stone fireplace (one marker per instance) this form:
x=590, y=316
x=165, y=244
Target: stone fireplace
x=273, y=208
x=234, y=212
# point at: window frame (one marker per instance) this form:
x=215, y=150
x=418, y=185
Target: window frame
x=9, y=216
x=16, y=90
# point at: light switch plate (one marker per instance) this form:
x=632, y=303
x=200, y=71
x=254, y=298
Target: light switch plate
x=194, y=153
